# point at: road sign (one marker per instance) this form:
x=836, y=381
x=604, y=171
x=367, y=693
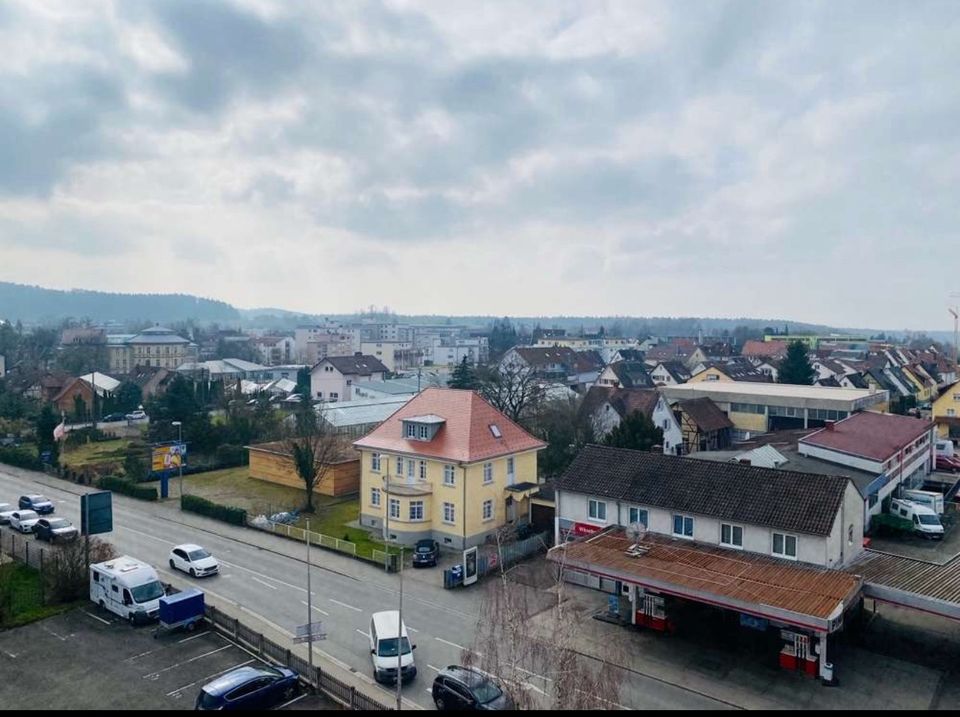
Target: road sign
x=97, y=508
x=310, y=632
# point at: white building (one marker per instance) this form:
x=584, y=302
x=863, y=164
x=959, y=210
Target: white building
x=606, y=408
x=332, y=378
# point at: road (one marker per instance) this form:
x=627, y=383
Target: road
x=262, y=574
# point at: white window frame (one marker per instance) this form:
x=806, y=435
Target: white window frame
x=416, y=511
x=375, y=462
x=423, y=470
x=399, y=466
x=449, y=513
x=411, y=467
x=423, y=432
x=684, y=518
x=595, y=508
x=411, y=430
x=511, y=470
x=375, y=497
x=487, y=512
x=395, y=504
x=487, y=473
x=784, y=554
x=733, y=528
x=635, y=509
x=449, y=475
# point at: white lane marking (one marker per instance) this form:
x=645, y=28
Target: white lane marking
x=209, y=677
x=428, y=690
x=447, y=642
x=435, y=669
x=295, y=699
x=105, y=622
x=343, y=604
x=145, y=535
x=322, y=612
x=534, y=688
x=193, y=637
x=598, y=697
x=144, y=654
x=534, y=674
x=10, y=655
x=365, y=634
x=412, y=629
x=262, y=582
x=51, y=632
x=155, y=675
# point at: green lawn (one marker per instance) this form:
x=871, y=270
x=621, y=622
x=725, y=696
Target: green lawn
x=333, y=520
x=96, y=453
x=23, y=598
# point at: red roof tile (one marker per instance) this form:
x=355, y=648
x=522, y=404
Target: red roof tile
x=465, y=435
x=768, y=349
x=869, y=434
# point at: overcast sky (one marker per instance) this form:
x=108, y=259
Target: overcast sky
x=775, y=159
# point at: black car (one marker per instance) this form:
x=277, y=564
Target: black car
x=426, y=553
x=113, y=418
x=464, y=688
x=56, y=530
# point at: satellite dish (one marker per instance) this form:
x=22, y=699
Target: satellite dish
x=636, y=532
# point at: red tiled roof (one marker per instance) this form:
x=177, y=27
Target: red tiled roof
x=770, y=349
x=465, y=435
x=869, y=434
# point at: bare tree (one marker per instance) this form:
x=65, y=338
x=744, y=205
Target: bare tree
x=66, y=572
x=527, y=638
x=311, y=445
x=511, y=389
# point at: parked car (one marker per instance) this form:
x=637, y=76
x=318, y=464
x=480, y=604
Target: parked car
x=55, y=530
x=464, y=688
x=948, y=463
x=426, y=553
x=248, y=688
x=37, y=503
x=6, y=510
x=194, y=560
x=136, y=416
x=23, y=520
x=113, y=418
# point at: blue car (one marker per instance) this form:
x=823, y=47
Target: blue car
x=37, y=503
x=248, y=688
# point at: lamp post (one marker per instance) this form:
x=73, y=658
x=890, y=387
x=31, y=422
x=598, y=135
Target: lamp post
x=386, y=567
x=179, y=426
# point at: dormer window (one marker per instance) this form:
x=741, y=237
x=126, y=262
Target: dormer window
x=422, y=428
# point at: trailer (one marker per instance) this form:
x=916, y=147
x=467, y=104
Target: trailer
x=180, y=610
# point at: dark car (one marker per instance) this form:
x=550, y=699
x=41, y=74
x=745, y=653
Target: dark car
x=426, y=552
x=37, y=503
x=248, y=688
x=113, y=418
x=464, y=688
x=56, y=530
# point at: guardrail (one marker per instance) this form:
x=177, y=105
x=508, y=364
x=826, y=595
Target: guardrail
x=337, y=690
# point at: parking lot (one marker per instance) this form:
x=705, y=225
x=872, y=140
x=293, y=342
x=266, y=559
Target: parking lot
x=90, y=659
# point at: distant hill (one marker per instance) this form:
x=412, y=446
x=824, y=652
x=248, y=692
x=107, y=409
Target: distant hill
x=34, y=305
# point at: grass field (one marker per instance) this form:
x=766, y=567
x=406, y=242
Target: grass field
x=96, y=453
x=20, y=596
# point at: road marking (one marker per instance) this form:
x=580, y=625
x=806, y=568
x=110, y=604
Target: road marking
x=105, y=622
x=155, y=675
x=534, y=674
x=10, y=655
x=144, y=654
x=322, y=612
x=435, y=669
x=272, y=587
x=145, y=535
x=209, y=677
x=343, y=604
x=597, y=697
x=428, y=691
x=295, y=699
x=193, y=637
x=59, y=637
x=365, y=634
x=412, y=629
x=447, y=642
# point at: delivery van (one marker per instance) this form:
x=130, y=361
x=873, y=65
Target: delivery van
x=929, y=498
x=127, y=587
x=925, y=521
x=388, y=639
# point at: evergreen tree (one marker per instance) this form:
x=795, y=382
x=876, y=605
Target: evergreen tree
x=46, y=422
x=463, y=376
x=636, y=431
x=796, y=367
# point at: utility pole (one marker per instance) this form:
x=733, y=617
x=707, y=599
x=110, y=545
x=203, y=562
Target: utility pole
x=309, y=603
x=955, y=312
x=400, y=637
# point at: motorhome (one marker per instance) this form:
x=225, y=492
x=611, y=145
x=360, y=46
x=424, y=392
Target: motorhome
x=389, y=645
x=128, y=587
x=929, y=498
x=925, y=521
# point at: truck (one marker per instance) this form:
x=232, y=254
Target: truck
x=182, y=609
x=929, y=498
x=127, y=587
x=926, y=522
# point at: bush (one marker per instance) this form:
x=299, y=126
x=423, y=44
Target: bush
x=135, y=467
x=230, y=455
x=196, y=504
x=21, y=458
x=84, y=435
x=126, y=487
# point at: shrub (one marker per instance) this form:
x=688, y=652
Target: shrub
x=230, y=455
x=228, y=514
x=21, y=458
x=83, y=435
x=126, y=487
x=134, y=467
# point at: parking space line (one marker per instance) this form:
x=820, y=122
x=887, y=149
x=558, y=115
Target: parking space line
x=435, y=669
x=447, y=642
x=105, y=622
x=193, y=637
x=272, y=587
x=365, y=634
x=154, y=675
x=10, y=655
x=534, y=674
x=322, y=612
x=59, y=637
x=343, y=604
x=295, y=699
x=209, y=677
x=412, y=629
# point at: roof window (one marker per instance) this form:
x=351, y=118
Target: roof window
x=495, y=430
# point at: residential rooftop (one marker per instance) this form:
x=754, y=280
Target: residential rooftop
x=869, y=434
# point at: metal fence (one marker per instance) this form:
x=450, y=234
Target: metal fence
x=292, y=531
x=493, y=558
x=25, y=594
x=342, y=693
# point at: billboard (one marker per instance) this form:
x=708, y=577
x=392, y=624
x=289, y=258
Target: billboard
x=168, y=457
x=96, y=513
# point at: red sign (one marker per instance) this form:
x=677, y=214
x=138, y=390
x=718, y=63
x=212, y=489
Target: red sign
x=581, y=529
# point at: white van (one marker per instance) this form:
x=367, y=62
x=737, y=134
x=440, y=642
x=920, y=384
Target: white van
x=925, y=521
x=128, y=587
x=388, y=636
x=929, y=498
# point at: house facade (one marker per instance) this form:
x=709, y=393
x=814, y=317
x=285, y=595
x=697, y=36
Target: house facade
x=153, y=347
x=669, y=373
x=703, y=426
x=605, y=407
x=945, y=411
x=332, y=378
x=447, y=466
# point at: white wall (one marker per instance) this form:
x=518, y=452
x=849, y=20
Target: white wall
x=672, y=434
x=322, y=383
x=843, y=459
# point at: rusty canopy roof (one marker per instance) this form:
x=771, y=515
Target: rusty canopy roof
x=772, y=588
x=910, y=582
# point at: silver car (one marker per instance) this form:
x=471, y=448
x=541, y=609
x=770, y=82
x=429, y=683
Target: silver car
x=6, y=510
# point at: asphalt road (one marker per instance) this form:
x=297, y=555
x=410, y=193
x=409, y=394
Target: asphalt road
x=272, y=586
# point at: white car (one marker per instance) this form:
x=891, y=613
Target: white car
x=136, y=416
x=194, y=560
x=23, y=520
x=6, y=510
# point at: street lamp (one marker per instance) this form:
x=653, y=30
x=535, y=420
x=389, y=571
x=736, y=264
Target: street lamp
x=179, y=426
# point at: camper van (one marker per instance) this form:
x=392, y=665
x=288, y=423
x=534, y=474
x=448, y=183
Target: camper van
x=128, y=587
x=388, y=636
x=925, y=521
x=929, y=498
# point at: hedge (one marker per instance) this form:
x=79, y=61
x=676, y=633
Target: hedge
x=126, y=487
x=196, y=504
x=21, y=458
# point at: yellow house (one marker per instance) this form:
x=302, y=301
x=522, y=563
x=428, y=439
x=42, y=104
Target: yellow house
x=711, y=373
x=447, y=466
x=945, y=411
